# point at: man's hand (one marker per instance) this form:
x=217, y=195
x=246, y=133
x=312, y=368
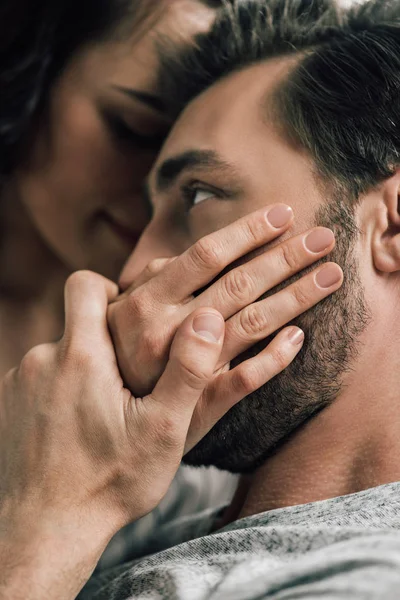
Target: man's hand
x=79, y=455
x=144, y=319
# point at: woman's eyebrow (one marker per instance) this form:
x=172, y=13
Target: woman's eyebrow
x=152, y=101
x=169, y=171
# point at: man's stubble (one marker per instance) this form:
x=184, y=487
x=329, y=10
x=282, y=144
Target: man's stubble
x=247, y=435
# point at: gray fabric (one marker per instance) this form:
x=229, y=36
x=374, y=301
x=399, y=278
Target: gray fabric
x=343, y=548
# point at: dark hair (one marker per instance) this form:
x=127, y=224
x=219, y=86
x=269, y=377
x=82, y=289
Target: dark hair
x=341, y=99
x=37, y=39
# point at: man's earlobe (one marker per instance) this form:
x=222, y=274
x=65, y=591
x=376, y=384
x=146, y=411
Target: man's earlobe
x=386, y=234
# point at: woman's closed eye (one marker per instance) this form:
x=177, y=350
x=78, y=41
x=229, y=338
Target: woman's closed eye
x=124, y=134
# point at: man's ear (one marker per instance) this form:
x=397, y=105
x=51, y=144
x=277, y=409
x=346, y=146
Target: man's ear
x=386, y=233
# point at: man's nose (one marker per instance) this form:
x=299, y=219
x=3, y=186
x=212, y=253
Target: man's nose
x=152, y=244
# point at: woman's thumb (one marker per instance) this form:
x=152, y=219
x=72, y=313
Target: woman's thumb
x=193, y=359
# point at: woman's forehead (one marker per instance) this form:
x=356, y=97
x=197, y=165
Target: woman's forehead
x=134, y=60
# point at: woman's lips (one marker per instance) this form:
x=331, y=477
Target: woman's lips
x=129, y=236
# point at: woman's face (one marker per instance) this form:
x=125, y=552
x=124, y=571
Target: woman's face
x=81, y=184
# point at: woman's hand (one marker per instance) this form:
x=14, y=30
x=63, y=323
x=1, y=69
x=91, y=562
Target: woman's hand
x=79, y=455
x=145, y=318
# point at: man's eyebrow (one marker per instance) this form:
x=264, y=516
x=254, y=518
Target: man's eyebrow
x=151, y=100
x=168, y=172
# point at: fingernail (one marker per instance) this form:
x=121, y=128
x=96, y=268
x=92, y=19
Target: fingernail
x=296, y=336
x=279, y=215
x=209, y=326
x=319, y=239
x=328, y=276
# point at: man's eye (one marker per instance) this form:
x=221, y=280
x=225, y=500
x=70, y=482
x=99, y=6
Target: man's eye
x=201, y=195
x=196, y=195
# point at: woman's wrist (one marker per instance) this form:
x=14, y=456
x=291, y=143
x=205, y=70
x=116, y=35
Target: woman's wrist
x=52, y=560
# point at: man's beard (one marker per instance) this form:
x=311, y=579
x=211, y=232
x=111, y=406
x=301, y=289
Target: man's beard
x=252, y=430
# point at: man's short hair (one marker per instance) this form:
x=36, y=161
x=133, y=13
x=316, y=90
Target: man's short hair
x=341, y=99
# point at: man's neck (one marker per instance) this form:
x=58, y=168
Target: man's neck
x=352, y=445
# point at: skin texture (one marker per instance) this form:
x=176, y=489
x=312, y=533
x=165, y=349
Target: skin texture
x=268, y=415
x=145, y=318
x=105, y=441
x=318, y=460
x=78, y=471
x=83, y=171
x=75, y=201
x=80, y=177
x=350, y=445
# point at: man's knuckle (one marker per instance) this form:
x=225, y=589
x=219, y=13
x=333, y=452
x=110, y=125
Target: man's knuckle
x=255, y=230
x=300, y=295
x=246, y=378
x=253, y=320
x=280, y=359
x=238, y=285
x=288, y=257
x=193, y=376
x=207, y=253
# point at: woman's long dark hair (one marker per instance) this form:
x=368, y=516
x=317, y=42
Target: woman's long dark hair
x=37, y=38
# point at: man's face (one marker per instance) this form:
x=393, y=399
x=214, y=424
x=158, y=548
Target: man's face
x=225, y=158
x=229, y=120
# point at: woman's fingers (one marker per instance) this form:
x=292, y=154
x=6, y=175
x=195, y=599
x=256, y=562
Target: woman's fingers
x=144, y=322
x=203, y=261
x=229, y=388
x=259, y=320
x=246, y=283
x=87, y=296
x=193, y=358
